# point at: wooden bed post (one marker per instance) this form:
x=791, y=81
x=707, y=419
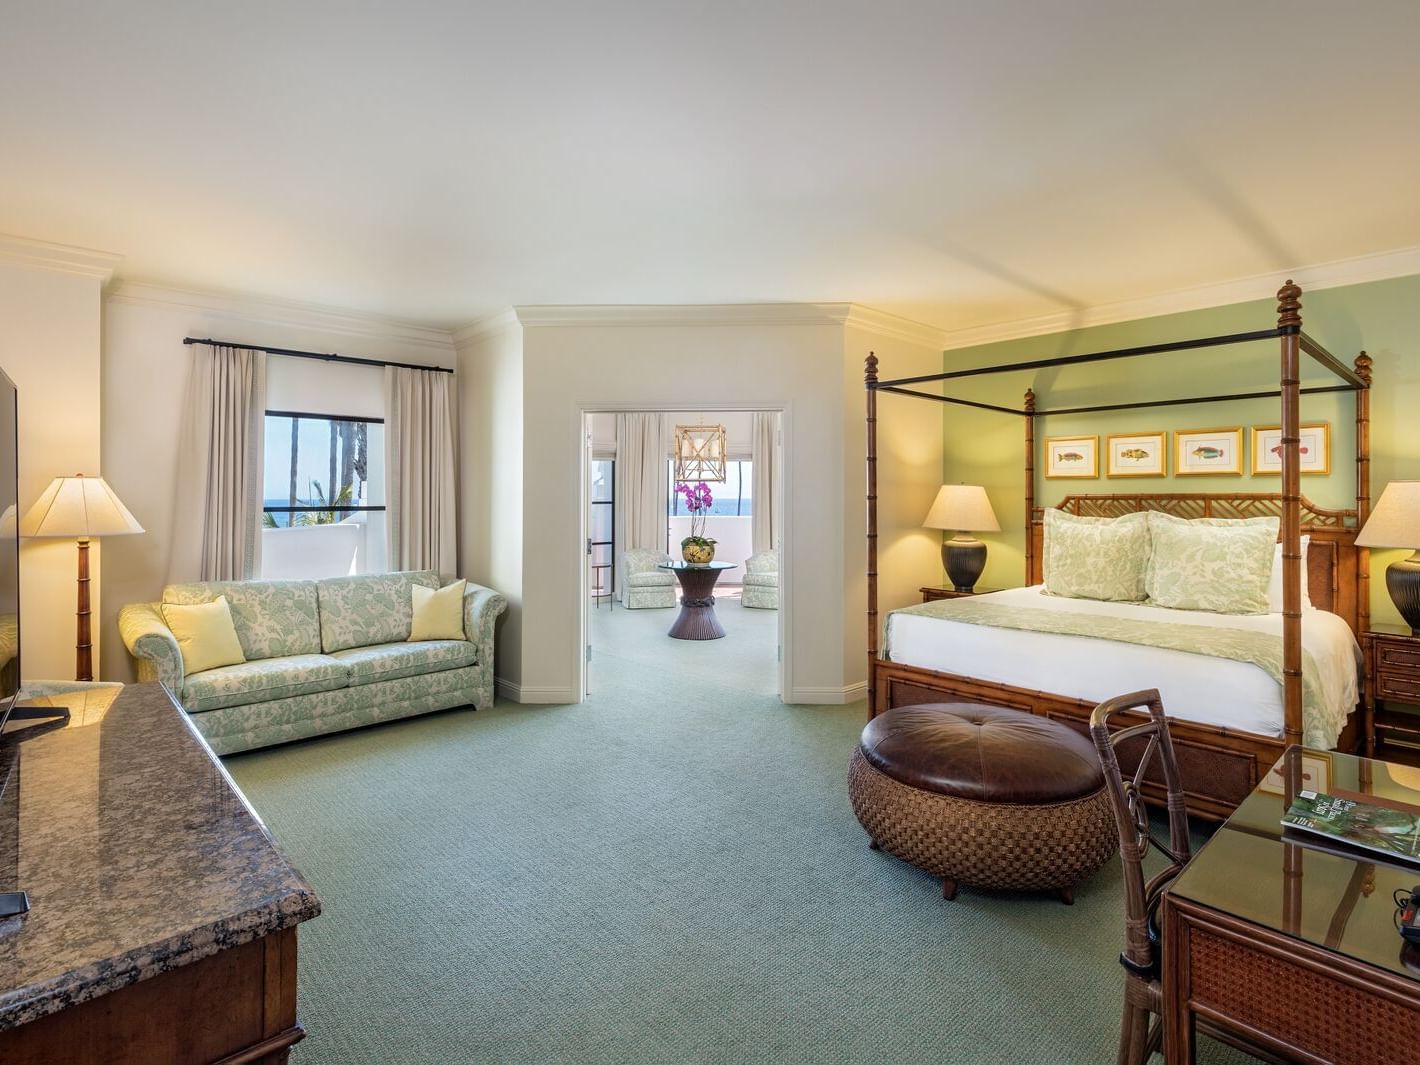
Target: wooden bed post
x=870, y=381
x=1289, y=322
x=1363, y=489
x=1029, y=408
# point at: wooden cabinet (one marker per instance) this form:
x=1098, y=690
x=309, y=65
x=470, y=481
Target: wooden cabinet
x=1392, y=656
x=946, y=591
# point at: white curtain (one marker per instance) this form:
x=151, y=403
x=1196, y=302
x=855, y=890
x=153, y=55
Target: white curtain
x=767, y=484
x=642, y=485
x=217, y=514
x=419, y=470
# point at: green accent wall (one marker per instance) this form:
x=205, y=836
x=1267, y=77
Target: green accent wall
x=1379, y=317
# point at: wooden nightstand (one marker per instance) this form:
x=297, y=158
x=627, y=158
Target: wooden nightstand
x=1392, y=673
x=946, y=591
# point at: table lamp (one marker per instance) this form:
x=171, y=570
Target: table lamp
x=962, y=508
x=79, y=507
x=1395, y=522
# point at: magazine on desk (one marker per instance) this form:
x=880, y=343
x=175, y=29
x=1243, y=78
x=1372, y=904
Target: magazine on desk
x=1392, y=830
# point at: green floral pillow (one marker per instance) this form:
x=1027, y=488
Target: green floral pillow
x=1208, y=565
x=1096, y=558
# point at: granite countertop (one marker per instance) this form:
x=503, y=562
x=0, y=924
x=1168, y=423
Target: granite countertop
x=139, y=854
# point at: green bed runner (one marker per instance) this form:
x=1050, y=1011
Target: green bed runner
x=1260, y=649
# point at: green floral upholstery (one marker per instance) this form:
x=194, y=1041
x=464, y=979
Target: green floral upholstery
x=154, y=648
x=280, y=698
x=262, y=679
x=362, y=611
x=272, y=618
x=389, y=661
x=244, y=728
x=1096, y=558
x=1222, y=568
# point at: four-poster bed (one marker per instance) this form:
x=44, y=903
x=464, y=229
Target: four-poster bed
x=1220, y=764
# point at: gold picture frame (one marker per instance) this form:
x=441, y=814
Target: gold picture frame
x=1136, y=455
x=1315, y=448
x=1316, y=774
x=1208, y=452
x=1072, y=458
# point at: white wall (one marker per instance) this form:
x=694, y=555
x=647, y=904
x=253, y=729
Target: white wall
x=798, y=358
x=144, y=374
x=49, y=345
x=490, y=375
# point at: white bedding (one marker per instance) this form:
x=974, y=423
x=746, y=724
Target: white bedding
x=1212, y=691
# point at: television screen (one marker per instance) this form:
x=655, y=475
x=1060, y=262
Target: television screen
x=9, y=547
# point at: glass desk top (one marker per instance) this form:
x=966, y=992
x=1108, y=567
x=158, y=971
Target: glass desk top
x=1335, y=900
x=696, y=565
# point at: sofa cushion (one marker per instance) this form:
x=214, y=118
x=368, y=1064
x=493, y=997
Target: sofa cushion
x=761, y=580
x=363, y=611
x=391, y=661
x=262, y=681
x=272, y=618
x=658, y=578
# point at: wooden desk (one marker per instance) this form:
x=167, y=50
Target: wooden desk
x=163, y=917
x=1289, y=949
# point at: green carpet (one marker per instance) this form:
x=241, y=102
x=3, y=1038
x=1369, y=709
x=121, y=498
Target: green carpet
x=670, y=872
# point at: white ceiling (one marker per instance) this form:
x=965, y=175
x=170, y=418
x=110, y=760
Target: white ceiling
x=961, y=163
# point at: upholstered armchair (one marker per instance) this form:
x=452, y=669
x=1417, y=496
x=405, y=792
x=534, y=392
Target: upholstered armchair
x=644, y=585
x=761, y=581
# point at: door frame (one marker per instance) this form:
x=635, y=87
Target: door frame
x=786, y=584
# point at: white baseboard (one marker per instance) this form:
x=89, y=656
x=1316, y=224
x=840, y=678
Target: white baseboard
x=829, y=696
x=521, y=694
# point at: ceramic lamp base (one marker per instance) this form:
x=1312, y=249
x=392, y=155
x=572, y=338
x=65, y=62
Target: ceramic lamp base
x=1402, y=580
x=963, y=558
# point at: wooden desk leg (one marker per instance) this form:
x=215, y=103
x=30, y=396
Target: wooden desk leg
x=1177, y=1017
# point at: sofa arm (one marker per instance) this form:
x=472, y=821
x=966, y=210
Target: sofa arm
x=481, y=607
x=154, y=649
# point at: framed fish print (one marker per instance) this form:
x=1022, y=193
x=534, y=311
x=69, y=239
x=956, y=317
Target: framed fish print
x=1314, y=450
x=1072, y=456
x=1136, y=455
x=1207, y=452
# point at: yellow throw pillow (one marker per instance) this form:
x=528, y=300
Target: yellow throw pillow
x=205, y=634
x=438, y=615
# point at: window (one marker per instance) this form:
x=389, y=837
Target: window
x=323, y=495
x=601, y=530
x=732, y=498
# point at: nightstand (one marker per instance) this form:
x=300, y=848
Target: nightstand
x=946, y=591
x=1392, y=673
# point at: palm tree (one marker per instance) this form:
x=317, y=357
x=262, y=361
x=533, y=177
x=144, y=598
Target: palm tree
x=332, y=508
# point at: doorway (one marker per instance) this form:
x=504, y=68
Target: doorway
x=634, y=519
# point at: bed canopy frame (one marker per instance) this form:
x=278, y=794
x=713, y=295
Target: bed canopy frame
x=1336, y=526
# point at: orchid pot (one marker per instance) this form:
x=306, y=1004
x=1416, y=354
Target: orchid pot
x=697, y=550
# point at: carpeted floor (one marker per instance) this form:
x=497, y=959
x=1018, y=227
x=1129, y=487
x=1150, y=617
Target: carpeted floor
x=669, y=872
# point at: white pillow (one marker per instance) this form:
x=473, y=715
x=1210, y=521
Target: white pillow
x=1274, y=587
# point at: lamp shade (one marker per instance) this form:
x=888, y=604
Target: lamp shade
x=1395, y=522
x=962, y=507
x=78, y=507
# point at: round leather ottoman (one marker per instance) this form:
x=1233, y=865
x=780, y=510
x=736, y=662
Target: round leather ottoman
x=984, y=796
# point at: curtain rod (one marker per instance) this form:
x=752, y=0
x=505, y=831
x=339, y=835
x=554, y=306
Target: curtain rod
x=290, y=353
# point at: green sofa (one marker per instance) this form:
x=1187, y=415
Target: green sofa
x=322, y=656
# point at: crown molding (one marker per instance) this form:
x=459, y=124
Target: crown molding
x=273, y=312
x=1403, y=262
x=700, y=314
x=487, y=326
x=60, y=258
x=895, y=327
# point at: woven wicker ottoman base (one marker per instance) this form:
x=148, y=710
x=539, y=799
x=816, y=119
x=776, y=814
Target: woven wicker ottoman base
x=983, y=796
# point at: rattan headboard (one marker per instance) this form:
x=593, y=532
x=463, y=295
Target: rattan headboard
x=1337, y=571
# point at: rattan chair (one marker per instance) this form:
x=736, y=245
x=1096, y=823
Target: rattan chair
x=1141, y=1031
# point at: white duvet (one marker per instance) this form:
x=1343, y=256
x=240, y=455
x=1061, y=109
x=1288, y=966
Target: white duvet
x=1212, y=691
